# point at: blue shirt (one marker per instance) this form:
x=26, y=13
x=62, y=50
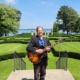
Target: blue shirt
x=41, y=41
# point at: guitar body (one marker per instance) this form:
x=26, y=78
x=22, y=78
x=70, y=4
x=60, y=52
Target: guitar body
x=34, y=57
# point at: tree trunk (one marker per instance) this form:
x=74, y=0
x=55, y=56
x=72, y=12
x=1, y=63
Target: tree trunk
x=5, y=34
x=68, y=32
x=0, y=35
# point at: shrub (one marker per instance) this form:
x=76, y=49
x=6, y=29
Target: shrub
x=23, y=35
x=70, y=54
x=11, y=56
x=55, y=34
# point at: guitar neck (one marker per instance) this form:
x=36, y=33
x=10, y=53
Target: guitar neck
x=54, y=44
x=57, y=43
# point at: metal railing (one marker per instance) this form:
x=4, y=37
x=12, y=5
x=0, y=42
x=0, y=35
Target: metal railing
x=62, y=61
x=19, y=63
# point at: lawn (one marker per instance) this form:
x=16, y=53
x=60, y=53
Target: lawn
x=7, y=66
x=74, y=67
x=69, y=46
x=9, y=48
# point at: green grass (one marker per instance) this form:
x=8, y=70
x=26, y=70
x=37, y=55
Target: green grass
x=7, y=66
x=1, y=40
x=69, y=46
x=9, y=48
x=22, y=38
x=74, y=66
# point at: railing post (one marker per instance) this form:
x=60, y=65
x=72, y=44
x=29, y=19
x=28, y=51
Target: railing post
x=66, y=52
x=20, y=64
x=14, y=61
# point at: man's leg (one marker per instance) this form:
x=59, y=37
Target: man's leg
x=42, y=70
x=36, y=71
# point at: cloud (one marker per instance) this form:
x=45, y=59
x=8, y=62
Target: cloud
x=44, y=2
x=48, y=3
x=11, y=1
x=52, y=3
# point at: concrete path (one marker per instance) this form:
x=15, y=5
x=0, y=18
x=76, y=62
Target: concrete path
x=57, y=74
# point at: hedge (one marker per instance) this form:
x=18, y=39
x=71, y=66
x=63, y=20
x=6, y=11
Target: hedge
x=70, y=54
x=11, y=56
x=14, y=40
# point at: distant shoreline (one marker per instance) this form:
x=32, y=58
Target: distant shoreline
x=33, y=29
x=20, y=31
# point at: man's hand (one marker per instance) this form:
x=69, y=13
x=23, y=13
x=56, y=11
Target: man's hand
x=48, y=48
x=39, y=51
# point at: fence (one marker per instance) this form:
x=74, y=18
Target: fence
x=62, y=61
x=19, y=63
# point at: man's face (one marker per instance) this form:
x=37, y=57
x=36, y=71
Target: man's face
x=40, y=31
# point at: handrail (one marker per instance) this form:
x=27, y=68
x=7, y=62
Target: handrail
x=19, y=63
x=62, y=61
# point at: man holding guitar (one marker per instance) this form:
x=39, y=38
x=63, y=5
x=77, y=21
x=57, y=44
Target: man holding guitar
x=42, y=47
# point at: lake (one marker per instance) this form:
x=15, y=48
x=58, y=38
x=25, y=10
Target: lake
x=20, y=31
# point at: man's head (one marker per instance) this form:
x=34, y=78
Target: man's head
x=39, y=31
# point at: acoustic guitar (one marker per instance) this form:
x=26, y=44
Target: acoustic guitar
x=35, y=58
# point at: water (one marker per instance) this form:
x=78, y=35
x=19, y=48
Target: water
x=20, y=31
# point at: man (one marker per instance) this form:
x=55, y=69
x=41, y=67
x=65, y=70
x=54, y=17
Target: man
x=37, y=41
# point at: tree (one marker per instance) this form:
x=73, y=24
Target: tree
x=69, y=17
x=9, y=19
x=77, y=27
x=55, y=27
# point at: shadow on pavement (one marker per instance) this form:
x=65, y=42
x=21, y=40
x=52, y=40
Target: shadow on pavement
x=27, y=79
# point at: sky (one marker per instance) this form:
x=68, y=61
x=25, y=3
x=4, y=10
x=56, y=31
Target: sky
x=40, y=12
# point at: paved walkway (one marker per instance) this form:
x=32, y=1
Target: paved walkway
x=51, y=75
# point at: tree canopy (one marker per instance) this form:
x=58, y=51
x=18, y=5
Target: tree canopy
x=77, y=27
x=9, y=19
x=69, y=17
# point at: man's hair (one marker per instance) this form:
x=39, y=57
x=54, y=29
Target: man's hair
x=38, y=27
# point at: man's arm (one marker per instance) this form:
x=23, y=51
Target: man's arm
x=48, y=48
x=48, y=42
x=30, y=47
